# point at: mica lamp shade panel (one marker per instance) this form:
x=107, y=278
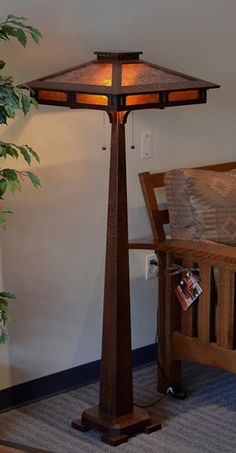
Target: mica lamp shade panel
x=120, y=81
x=90, y=74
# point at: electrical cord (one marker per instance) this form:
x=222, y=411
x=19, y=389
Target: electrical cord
x=153, y=403
x=175, y=391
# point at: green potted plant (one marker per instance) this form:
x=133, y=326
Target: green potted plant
x=13, y=98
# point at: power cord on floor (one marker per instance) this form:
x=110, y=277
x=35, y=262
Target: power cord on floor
x=153, y=403
x=175, y=391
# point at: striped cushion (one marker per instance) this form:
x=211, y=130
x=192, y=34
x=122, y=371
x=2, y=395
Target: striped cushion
x=202, y=204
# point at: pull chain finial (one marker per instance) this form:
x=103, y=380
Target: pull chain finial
x=103, y=132
x=132, y=131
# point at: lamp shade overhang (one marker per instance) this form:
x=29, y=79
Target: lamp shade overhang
x=119, y=81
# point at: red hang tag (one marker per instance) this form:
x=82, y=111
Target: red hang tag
x=188, y=290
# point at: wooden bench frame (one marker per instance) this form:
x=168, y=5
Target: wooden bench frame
x=198, y=334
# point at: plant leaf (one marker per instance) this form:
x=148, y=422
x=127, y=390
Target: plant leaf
x=14, y=185
x=34, y=179
x=12, y=16
x=25, y=154
x=9, y=173
x=7, y=148
x=21, y=36
x=9, y=111
x=4, y=337
x=36, y=36
x=25, y=100
x=3, y=186
x=34, y=154
x=3, y=152
x=2, y=223
x=8, y=295
x=33, y=102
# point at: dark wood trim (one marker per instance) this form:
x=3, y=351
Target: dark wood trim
x=145, y=243
x=13, y=447
x=191, y=348
x=158, y=178
x=66, y=380
x=106, y=90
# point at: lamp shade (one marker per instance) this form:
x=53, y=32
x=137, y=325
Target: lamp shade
x=119, y=81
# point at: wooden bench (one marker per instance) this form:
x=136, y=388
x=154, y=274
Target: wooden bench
x=206, y=332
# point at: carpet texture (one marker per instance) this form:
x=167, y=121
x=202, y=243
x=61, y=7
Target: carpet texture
x=203, y=423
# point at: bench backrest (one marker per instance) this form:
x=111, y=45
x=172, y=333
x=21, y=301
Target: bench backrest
x=158, y=216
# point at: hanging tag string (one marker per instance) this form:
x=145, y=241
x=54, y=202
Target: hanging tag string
x=176, y=269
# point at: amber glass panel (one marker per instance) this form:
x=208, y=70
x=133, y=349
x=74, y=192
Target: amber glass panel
x=91, y=74
x=143, y=74
x=57, y=96
x=134, y=99
x=190, y=95
x=91, y=99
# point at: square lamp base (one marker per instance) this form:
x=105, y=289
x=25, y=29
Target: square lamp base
x=116, y=431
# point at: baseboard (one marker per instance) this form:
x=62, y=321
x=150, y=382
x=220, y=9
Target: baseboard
x=63, y=381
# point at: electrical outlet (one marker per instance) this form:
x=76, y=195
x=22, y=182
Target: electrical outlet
x=151, y=270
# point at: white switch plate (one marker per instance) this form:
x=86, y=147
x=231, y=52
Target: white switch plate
x=146, y=144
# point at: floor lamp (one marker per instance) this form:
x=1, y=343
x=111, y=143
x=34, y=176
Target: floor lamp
x=118, y=82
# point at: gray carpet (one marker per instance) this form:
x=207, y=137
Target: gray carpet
x=203, y=423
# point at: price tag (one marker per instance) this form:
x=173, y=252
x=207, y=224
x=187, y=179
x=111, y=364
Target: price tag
x=188, y=290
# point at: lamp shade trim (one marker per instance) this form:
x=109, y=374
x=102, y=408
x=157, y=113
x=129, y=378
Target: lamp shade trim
x=119, y=79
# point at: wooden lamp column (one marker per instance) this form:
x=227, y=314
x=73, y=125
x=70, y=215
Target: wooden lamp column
x=116, y=416
x=118, y=82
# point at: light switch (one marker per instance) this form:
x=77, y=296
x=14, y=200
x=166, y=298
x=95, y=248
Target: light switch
x=146, y=144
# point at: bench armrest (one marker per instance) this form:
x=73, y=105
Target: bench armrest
x=213, y=253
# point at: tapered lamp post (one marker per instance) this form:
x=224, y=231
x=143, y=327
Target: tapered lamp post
x=118, y=82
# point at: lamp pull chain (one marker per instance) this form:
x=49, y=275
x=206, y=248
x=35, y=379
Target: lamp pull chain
x=132, y=130
x=103, y=132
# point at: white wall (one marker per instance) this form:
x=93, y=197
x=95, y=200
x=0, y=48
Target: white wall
x=53, y=249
